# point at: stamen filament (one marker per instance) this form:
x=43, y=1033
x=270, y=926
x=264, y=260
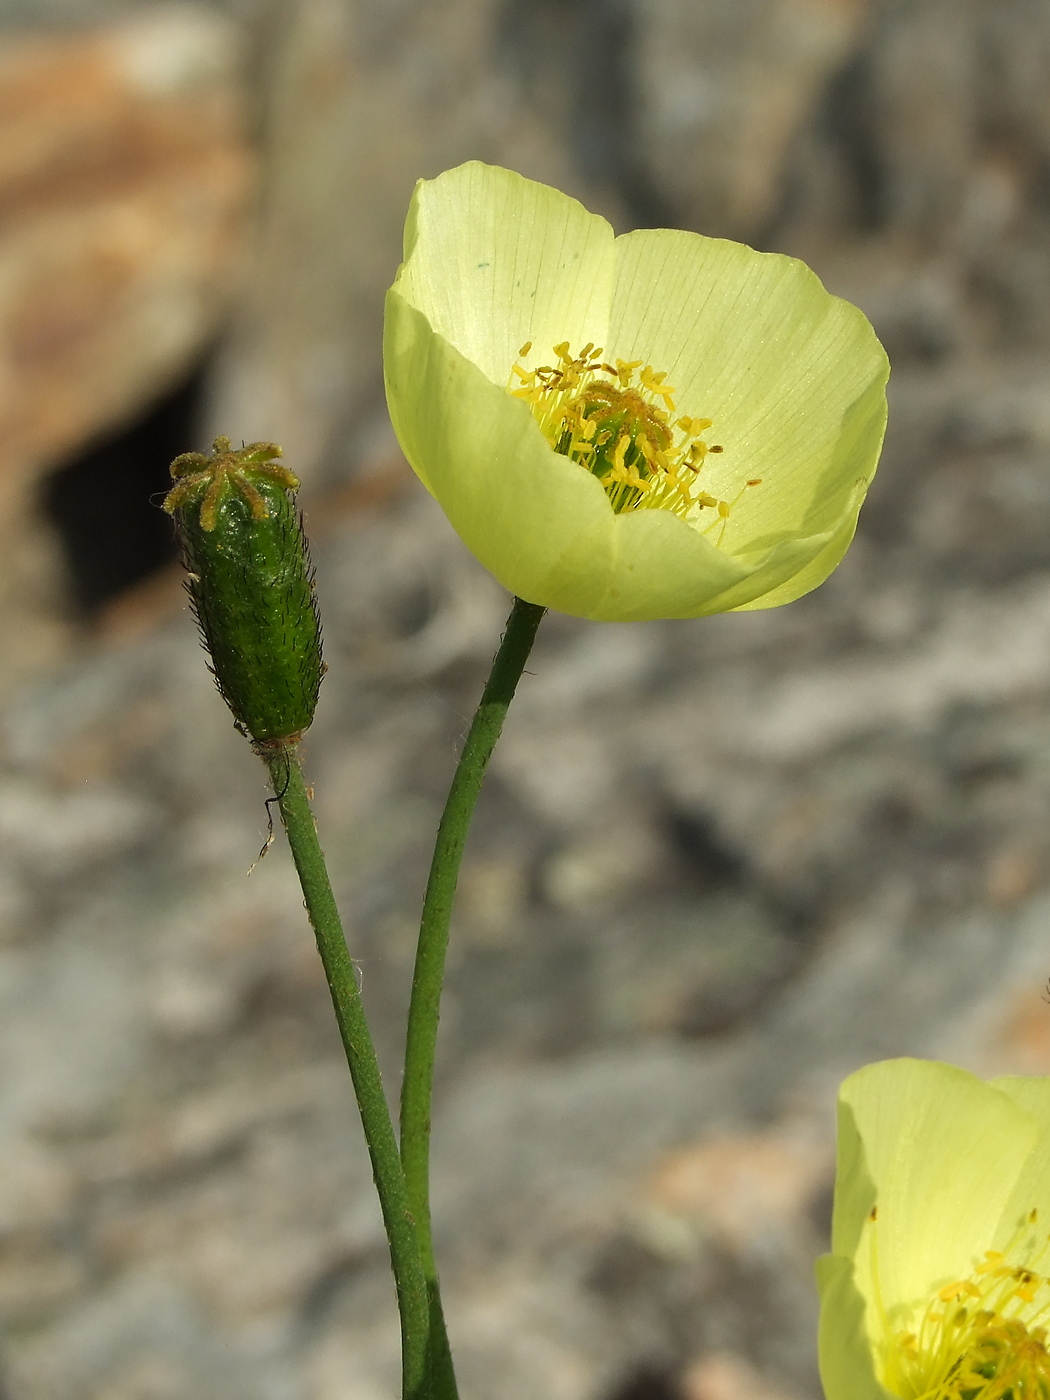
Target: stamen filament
x=622, y=431
x=978, y=1338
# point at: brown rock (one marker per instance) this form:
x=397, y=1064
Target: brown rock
x=1017, y=1040
x=723, y=1376
x=124, y=178
x=123, y=181
x=741, y=1186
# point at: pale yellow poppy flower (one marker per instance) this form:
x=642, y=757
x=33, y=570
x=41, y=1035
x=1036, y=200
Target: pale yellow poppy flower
x=655, y=425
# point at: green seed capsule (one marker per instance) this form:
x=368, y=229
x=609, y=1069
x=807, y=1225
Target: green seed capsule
x=251, y=585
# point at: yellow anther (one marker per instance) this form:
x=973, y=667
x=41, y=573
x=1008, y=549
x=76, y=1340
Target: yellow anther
x=654, y=382
x=524, y=349
x=963, y=1289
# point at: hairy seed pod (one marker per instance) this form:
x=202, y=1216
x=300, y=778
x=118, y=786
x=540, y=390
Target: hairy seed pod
x=251, y=585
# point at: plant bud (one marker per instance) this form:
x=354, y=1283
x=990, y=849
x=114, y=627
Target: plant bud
x=251, y=585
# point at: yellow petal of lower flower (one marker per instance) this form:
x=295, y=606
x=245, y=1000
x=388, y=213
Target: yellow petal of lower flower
x=940, y=1230
x=847, y=1368
x=1032, y=1191
x=944, y=1151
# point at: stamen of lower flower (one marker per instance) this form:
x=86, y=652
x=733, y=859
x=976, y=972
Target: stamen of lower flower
x=616, y=421
x=983, y=1337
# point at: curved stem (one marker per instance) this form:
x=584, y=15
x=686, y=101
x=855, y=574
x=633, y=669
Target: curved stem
x=409, y=1277
x=417, y=1086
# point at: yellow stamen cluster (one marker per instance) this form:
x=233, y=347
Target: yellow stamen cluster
x=983, y=1337
x=617, y=421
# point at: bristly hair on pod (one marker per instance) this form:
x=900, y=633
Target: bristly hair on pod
x=251, y=586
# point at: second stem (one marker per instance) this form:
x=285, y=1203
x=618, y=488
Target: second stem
x=424, y=1010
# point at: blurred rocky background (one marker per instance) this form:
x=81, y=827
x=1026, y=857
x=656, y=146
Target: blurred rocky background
x=718, y=864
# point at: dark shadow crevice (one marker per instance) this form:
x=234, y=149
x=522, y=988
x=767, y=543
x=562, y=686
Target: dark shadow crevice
x=104, y=503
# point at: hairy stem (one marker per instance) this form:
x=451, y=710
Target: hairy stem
x=409, y=1276
x=418, y=1084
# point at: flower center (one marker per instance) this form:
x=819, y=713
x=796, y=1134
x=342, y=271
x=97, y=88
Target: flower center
x=617, y=421
x=983, y=1337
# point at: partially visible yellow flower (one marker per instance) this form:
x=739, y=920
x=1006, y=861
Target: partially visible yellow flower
x=938, y=1284
x=656, y=425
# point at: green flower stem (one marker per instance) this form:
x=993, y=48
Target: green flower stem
x=409, y=1277
x=418, y=1084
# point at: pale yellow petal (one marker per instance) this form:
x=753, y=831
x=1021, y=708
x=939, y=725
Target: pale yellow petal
x=1032, y=1191
x=943, y=1151
x=494, y=260
x=822, y=563
x=847, y=1370
x=754, y=342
